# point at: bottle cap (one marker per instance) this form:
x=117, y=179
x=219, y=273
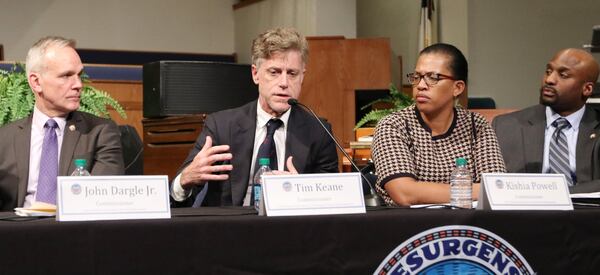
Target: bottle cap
x=264, y=161
x=461, y=162
x=80, y=162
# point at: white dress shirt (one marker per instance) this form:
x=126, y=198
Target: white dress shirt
x=35, y=150
x=571, y=134
x=262, y=117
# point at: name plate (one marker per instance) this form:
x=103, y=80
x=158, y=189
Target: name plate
x=313, y=194
x=112, y=198
x=511, y=191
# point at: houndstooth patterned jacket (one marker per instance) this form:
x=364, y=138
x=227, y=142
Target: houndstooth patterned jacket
x=403, y=147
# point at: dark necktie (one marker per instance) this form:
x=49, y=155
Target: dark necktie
x=267, y=147
x=558, y=156
x=46, y=188
x=266, y=150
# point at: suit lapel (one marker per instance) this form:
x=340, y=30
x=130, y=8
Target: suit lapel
x=242, y=139
x=71, y=135
x=22, y=142
x=533, y=148
x=294, y=145
x=586, y=139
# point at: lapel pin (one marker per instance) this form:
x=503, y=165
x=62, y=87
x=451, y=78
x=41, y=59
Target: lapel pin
x=71, y=128
x=593, y=136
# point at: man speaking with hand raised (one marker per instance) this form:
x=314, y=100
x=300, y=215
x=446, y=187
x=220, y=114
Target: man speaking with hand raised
x=218, y=170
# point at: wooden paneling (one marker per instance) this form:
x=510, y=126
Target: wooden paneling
x=336, y=68
x=490, y=114
x=167, y=142
x=129, y=95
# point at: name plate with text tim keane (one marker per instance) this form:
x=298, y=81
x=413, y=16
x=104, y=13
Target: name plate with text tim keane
x=313, y=194
x=112, y=198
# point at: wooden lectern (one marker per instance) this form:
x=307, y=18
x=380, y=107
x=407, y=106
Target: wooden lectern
x=167, y=142
x=337, y=67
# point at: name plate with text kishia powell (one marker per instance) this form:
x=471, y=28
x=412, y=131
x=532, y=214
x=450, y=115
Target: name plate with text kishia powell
x=510, y=191
x=112, y=198
x=313, y=194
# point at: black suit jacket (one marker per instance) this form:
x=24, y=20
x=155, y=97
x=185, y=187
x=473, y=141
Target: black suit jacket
x=521, y=139
x=95, y=139
x=306, y=141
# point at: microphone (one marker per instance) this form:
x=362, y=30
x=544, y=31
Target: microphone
x=371, y=199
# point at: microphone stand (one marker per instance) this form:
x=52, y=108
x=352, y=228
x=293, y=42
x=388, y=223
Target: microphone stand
x=371, y=199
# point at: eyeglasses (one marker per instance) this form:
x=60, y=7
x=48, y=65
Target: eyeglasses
x=430, y=78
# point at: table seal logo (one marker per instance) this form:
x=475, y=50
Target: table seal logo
x=76, y=189
x=499, y=184
x=455, y=249
x=287, y=186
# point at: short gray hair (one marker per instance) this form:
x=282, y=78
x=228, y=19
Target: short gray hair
x=35, y=56
x=278, y=40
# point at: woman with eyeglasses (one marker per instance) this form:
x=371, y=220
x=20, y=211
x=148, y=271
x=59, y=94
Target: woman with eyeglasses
x=415, y=149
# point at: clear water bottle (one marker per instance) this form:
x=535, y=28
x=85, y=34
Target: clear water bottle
x=461, y=185
x=257, y=187
x=80, y=168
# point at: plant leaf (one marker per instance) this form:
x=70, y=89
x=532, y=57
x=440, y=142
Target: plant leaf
x=398, y=99
x=17, y=99
x=374, y=115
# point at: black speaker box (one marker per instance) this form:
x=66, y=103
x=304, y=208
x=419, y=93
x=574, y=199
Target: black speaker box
x=174, y=88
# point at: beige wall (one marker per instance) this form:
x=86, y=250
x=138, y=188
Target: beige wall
x=251, y=20
x=336, y=17
x=397, y=20
x=511, y=41
x=453, y=24
x=507, y=42
x=310, y=17
x=200, y=26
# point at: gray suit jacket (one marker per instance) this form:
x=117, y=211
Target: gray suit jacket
x=95, y=139
x=306, y=141
x=521, y=139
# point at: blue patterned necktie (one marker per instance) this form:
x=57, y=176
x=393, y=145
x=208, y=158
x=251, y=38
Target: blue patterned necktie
x=46, y=188
x=558, y=157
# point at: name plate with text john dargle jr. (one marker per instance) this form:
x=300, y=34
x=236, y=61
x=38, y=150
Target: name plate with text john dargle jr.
x=112, y=198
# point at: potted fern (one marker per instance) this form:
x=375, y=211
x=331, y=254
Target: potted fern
x=395, y=101
x=17, y=99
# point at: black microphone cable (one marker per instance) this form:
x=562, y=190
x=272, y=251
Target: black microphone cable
x=376, y=199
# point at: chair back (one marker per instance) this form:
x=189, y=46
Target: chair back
x=481, y=103
x=133, y=150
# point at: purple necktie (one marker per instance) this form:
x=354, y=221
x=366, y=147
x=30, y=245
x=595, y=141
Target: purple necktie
x=46, y=188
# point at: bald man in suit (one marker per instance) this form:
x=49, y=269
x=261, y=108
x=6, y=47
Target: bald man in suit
x=53, y=71
x=524, y=136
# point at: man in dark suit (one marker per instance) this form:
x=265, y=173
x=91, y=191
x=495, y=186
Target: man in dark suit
x=219, y=168
x=526, y=137
x=53, y=73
